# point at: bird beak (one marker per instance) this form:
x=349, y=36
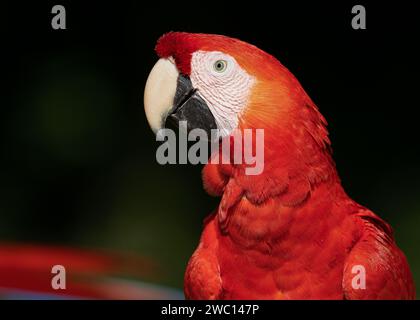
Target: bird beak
x=169, y=97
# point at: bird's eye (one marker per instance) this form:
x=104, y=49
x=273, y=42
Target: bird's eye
x=220, y=65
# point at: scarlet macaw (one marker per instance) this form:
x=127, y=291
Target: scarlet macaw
x=290, y=232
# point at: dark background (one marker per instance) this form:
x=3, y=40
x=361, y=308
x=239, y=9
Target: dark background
x=77, y=158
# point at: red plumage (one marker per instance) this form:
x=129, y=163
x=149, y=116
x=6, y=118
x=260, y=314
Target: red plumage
x=291, y=232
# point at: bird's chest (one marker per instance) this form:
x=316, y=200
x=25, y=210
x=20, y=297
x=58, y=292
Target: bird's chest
x=275, y=261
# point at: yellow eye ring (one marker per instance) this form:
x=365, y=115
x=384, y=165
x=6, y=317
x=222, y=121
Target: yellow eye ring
x=220, y=66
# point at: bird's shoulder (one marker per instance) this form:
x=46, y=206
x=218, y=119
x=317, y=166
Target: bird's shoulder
x=375, y=267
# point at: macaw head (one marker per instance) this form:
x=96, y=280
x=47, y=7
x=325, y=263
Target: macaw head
x=217, y=82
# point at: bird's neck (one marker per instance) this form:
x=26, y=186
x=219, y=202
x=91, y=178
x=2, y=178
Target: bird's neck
x=283, y=205
x=297, y=163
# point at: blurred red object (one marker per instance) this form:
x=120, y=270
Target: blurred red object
x=26, y=272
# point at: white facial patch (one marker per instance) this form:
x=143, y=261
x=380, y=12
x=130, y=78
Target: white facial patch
x=223, y=84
